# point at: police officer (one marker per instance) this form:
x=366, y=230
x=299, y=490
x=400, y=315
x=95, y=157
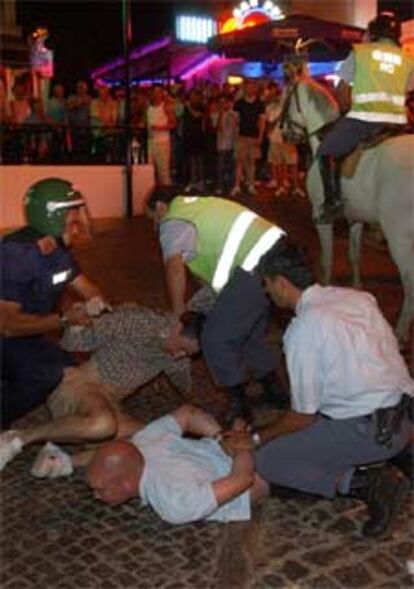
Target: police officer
x=221, y=242
x=36, y=266
x=350, y=394
x=374, y=79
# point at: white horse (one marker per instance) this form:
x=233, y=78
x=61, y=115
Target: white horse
x=380, y=191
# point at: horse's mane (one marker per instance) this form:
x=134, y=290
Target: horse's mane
x=322, y=98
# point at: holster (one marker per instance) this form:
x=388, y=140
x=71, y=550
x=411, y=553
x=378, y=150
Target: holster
x=388, y=421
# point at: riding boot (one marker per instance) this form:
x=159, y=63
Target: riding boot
x=239, y=405
x=383, y=488
x=330, y=173
x=273, y=394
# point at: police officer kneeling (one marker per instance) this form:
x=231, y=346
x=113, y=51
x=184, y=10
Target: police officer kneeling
x=350, y=394
x=36, y=265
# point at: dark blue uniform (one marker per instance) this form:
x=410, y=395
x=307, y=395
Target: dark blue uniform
x=31, y=366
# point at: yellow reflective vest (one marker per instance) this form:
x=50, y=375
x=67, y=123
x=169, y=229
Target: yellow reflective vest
x=228, y=235
x=381, y=74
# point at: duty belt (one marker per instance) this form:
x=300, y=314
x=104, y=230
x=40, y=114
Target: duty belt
x=388, y=420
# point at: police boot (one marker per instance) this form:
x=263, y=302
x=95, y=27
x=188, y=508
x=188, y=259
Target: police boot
x=273, y=394
x=330, y=173
x=383, y=488
x=239, y=405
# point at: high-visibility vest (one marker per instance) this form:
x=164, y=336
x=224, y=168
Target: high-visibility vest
x=379, y=86
x=228, y=235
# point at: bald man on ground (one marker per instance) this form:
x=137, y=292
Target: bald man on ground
x=182, y=479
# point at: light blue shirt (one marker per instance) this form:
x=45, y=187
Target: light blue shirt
x=342, y=355
x=179, y=472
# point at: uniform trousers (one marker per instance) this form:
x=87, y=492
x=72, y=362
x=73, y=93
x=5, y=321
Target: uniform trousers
x=233, y=339
x=314, y=459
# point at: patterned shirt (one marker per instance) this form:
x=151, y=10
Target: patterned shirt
x=126, y=344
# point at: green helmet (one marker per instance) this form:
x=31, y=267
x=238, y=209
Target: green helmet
x=47, y=202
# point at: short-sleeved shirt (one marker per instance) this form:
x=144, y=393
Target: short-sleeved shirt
x=179, y=472
x=342, y=355
x=249, y=115
x=33, y=279
x=178, y=237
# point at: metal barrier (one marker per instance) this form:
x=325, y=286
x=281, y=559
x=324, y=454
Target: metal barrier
x=41, y=143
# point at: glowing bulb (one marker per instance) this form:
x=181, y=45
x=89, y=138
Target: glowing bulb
x=244, y=6
x=237, y=13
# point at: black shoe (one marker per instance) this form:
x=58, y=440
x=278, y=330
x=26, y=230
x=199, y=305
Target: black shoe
x=384, y=491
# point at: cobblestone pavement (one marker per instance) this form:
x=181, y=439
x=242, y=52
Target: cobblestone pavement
x=55, y=536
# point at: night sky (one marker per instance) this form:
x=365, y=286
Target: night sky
x=85, y=34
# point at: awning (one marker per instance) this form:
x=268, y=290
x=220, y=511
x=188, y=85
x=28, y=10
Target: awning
x=274, y=40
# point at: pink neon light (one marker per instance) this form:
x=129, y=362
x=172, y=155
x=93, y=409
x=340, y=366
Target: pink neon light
x=192, y=71
x=135, y=54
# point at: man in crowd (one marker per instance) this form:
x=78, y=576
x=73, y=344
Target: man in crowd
x=350, y=392
x=221, y=242
x=161, y=121
x=130, y=348
x=182, y=479
x=250, y=136
x=374, y=80
x=36, y=266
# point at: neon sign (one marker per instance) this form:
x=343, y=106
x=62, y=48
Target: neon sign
x=248, y=8
x=250, y=13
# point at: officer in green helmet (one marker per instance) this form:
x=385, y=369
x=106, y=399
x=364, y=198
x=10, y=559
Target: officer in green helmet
x=36, y=266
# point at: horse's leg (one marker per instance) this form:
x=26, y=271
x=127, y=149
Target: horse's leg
x=401, y=249
x=325, y=232
x=354, y=252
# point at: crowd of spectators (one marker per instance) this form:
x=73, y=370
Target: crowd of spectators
x=211, y=137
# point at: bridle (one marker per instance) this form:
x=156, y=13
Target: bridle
x=293, y=131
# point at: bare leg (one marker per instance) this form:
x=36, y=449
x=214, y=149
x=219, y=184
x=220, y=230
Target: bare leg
x=94, y=420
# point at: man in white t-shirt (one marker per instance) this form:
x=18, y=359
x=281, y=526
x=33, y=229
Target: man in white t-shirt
x=160, y=121
x=182, y=479
x=350, y=392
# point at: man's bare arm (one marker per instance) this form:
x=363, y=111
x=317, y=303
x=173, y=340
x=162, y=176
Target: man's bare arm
x=176, y=277
x=193, y=420
x=85, y=288
x=343, y=95
x=15, y=323
x=239, y=480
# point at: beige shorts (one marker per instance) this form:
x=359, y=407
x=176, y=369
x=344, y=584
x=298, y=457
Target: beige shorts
x=282, y=153
x=79, y=385
x=247, y=149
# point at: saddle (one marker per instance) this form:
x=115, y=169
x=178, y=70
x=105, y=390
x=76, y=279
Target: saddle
x=350, y=162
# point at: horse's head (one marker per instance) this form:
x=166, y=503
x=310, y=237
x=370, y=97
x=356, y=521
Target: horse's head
x=308, y=106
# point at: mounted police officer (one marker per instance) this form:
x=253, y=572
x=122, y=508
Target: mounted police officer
x=375, y=78
x=221, y=242
x=36, y=266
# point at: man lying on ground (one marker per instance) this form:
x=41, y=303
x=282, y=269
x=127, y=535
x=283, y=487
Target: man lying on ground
x=182, y=479
x=130, y=348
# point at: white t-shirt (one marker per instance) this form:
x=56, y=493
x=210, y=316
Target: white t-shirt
x=156, y=115
x=342, y=355
x=178, y=475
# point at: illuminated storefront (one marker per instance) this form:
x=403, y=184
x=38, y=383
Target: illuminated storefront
x=203, y=47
